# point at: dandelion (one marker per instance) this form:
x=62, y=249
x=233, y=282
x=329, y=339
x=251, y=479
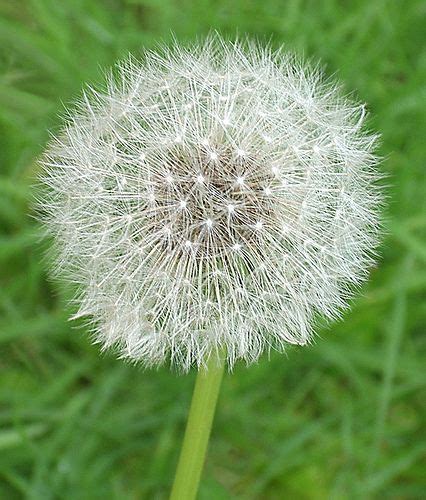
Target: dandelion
x=212, y=201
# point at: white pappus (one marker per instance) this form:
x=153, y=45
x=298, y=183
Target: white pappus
x=213, y=197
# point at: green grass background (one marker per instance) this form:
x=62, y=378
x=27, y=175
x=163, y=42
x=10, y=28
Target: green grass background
x=342, y=419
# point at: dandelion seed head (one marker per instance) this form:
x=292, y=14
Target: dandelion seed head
x=220, y=196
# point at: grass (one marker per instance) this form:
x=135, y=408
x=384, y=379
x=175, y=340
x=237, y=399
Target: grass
x=339, y=420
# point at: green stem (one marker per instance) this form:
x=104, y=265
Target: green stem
x=197, y=433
